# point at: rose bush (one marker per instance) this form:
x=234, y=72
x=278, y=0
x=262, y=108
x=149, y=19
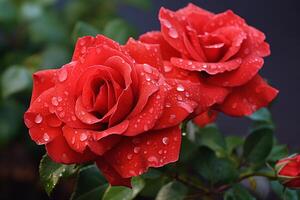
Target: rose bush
x=222, y=49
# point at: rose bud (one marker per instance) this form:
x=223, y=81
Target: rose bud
x=222, y=49
x=288, y=171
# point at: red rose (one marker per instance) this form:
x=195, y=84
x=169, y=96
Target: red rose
x=288, y=171
x=105, y=107
x=222, y=48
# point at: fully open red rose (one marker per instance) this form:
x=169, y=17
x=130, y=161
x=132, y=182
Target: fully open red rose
x=222, y=48
x=106, y=107
x=288, y=171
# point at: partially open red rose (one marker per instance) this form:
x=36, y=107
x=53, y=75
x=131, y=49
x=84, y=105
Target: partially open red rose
x=288, y=171
x=106, y=107
x=222, y=49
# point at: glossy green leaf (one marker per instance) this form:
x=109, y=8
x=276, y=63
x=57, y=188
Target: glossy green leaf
x=172, y=191
x=232, y=143
x=278, y=152
x=238, y=192
x=15, y=79
x=258, y=145
x=51, y=173
x=211, y=137
x=214, y=169
x=90, y=184
x=118, y=30
x=124, y=193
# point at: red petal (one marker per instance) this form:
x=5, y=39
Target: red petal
x=205, y=118
x=144, y=53
x=134, y=155
x=60, y=152
x=191, y=8
x=247, y=70
x=248, y=98
x=113, y=177
x=156, y=37
x=172, y=30
x=42, y=81
x=210, y=68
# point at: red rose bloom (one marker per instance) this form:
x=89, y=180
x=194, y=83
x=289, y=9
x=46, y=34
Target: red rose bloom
x=288, y=171
x=222, y=48
x=105, y=107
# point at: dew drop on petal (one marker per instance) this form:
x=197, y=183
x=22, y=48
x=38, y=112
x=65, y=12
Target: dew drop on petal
x=180, y=88
x=152, y=159
x=129, y=156
x=38, y=119
x=166, y=23
x=148, y=68
x=173, y=33
x=160, y=152
x=165, y=140
x=83, y=137
x=63, y=75
x=54, y=101
x=186, y=106
x=167, y=68
x=136, y=149
x=46, y=137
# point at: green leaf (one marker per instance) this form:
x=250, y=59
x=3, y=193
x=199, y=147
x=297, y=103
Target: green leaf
x=83, y=29
x=232, y=143
x=142, y=4
x=15, y=79
x=238, y=192
x=278, y=152
x=258, y=145
x=172, y=191
x=214, y=169
x=118, y=30
x=262, y=114
x=51, y=173
x=284, y=193
x=124, y=193
x=188, y=149
x=210, y=137
x=8, y=10
x=90, y=184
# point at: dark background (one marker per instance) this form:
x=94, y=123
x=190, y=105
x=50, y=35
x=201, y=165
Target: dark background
x=279, y=20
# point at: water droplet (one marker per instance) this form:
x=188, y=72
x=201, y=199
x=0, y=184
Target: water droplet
x=160, y=152
x=204, y=66
x=147, y=77
x=59, y=99
x=136, y=149
x=148, y=68
x=38, y=119
x=179, y=97
x=46, y=137
x=152, y=159
x=187, y=94
x=151, y=110
x=83, y=137
x=166, y=23
x=173, y=33
x=180, y=88
x=73, y=140
x=73, y=118
x=129, y=156
x=172, y=117
x=158, y=97
x=165, y=140
x=63, y=75
x=54, y=101
x=186, y=106
x=82, y=42
x=145, y=152
x=167, y=68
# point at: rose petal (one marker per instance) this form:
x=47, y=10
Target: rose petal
x=134, y=155
x=144, y=53
x=60, y=152
x=156, y=37
x=210, y=68
x=113, y=177
x=42, y=81
x=248, y=98
x=205, y=118
x=247, y=70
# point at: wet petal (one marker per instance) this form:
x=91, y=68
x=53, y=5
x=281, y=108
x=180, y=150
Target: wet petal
x=60, y=152
x=134, y=155
x=248, y=98
x=205, y=118
x=246, y=71
x=210, y=68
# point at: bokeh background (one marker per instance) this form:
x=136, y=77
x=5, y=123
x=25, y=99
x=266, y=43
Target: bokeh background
x=40, y=34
